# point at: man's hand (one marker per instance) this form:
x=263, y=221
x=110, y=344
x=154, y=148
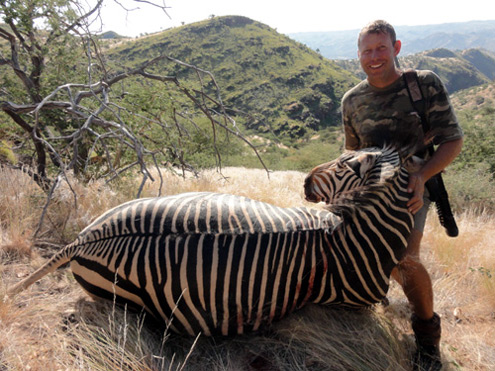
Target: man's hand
x=416, y=186
x=443, y=156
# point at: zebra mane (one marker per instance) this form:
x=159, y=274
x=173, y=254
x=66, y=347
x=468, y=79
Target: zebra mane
x=351, y=201
x=357, y=198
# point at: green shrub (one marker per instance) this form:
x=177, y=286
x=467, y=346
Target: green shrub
x=6, y=153
x=471, y=188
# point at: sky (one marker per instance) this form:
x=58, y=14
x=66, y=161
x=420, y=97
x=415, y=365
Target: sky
x=289, y=16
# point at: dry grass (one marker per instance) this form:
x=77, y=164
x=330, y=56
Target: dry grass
x=16, y=220
x=54, y=325
x=253, y=183
x=463, y=272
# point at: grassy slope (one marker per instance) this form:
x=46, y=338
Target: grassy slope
x=285, y=87
x=476, y=112
x=54, y=325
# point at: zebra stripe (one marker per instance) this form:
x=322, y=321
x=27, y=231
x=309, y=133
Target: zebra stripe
x=375, y=229
x=224, y=264
x=228, y=262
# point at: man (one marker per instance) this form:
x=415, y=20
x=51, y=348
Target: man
x=378, y=111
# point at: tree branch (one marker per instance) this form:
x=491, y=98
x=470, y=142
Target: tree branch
x=81, y=117
x=40, y=150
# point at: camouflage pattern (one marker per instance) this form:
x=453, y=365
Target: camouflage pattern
x=374, y=116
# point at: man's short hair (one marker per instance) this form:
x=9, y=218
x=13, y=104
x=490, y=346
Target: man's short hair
x=378, y=26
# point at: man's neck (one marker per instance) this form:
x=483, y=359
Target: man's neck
x=385, y=82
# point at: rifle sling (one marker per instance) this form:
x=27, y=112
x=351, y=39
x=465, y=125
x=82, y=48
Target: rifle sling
x=410, y=77
x=441, y=198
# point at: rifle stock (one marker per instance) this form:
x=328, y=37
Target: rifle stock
x=439, y=195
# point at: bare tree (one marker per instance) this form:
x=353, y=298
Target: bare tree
x=73, y=105
x=67, y=108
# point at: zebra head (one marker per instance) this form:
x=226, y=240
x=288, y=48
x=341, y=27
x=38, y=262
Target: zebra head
x=350, y=171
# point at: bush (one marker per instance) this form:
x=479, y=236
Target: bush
x=472, y=187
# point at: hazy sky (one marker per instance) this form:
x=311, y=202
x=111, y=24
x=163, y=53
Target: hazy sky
x=289, y=16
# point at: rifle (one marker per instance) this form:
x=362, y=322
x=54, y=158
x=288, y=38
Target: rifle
x=435, y=185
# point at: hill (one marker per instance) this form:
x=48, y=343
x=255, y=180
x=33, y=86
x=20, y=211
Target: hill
x=284, y=87
x=415, y=39
x=458, y=70
x=475, y=98
x=482, y=60
x=111, y=35
x=288, y=88
x=475, y=109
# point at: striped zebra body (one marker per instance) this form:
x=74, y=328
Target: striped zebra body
x=223, y=264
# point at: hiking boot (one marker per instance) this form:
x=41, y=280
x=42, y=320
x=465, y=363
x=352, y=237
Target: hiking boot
x=427, y=358
x=427, y=333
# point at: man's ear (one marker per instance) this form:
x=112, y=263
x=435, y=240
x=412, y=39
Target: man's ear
x=397, y=47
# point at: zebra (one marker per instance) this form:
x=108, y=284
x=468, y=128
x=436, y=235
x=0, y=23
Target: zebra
x=330, y=181
x=219, y=264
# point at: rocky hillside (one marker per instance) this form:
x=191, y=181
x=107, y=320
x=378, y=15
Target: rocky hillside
x=288, y=88
x=477, y=97
x=458, y=70
x=483, y=60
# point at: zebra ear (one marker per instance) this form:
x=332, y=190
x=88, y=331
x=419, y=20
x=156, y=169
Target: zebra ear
x=355, y=166
x=361, y=164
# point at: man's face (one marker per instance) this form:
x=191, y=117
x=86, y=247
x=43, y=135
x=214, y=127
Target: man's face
x=376, y=54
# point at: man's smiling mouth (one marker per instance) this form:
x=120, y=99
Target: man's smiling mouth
x=375, y=66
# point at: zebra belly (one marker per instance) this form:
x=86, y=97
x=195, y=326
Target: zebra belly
x=213, y=284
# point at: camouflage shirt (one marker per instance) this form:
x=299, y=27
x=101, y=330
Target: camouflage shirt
x=374, y=117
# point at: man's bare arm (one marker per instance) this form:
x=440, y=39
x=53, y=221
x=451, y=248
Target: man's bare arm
x=443, y=156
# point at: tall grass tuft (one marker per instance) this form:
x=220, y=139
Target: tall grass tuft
x=19, y=198
x=464, y=284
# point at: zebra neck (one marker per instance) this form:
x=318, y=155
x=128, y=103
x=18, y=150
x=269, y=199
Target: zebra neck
x=363, y=250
